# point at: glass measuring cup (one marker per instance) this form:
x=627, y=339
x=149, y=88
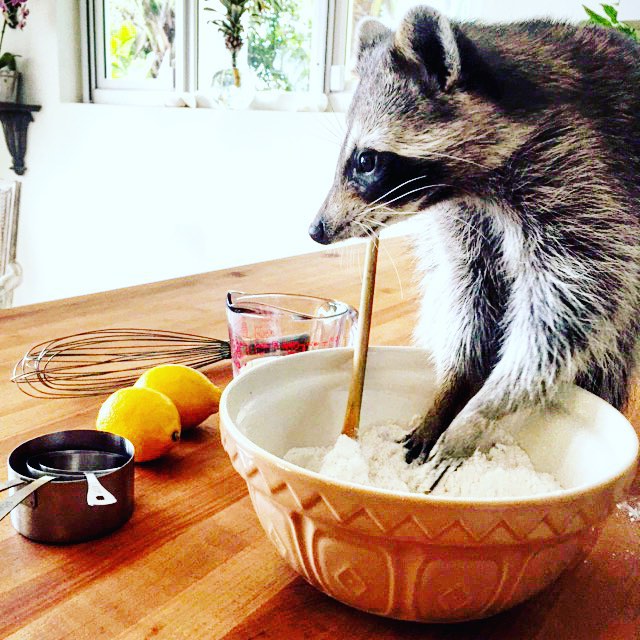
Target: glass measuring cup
x=279, y=324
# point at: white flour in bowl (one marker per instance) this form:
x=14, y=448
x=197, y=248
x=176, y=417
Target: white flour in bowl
x=377, y=458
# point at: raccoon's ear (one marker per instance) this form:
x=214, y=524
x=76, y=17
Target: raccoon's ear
x=370, y=32
x=426, y=38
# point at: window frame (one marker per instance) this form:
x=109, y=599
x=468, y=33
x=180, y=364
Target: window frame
x=101, y=90
x=328, y=55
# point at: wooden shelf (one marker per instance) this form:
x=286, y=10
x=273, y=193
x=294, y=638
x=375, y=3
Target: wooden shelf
x=15, y=118
x=16, y=106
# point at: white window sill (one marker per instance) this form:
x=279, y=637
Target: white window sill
x=263, y=100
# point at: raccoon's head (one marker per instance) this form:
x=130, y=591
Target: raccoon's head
x=417, y=132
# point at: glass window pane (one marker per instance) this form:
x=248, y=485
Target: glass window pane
x=277, y=45
x=139, y=40
x=280, y=46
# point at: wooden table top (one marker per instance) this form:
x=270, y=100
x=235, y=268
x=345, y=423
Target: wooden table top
x=193, y=562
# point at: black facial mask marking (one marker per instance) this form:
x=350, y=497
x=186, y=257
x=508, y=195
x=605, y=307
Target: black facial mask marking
x=377, y=175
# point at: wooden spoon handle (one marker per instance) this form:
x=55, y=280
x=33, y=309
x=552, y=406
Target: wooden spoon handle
x=354, y=402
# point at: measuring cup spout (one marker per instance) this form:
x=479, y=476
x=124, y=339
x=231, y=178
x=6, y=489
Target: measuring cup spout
x=257, y=304
x=232, y=297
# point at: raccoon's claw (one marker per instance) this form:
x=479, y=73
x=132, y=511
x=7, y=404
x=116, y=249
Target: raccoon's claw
x=417, y=446
x=427, y=444
x=440, y=467
x=420, y=442
x=466, y=434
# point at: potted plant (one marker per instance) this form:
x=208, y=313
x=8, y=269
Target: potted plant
x=14, y=15
x=228, y=84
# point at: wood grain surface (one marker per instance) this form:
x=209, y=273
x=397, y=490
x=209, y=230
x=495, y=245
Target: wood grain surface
x=193, y=561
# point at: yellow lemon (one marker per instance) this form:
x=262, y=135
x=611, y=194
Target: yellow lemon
x=146, y=417
x=194, y=395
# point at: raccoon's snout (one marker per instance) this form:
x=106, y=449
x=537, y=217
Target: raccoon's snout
x=318, y=232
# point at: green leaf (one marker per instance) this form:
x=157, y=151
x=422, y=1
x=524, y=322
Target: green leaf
x=627, y=30
x=612, y=12
x=596, y=18
x=8, y=60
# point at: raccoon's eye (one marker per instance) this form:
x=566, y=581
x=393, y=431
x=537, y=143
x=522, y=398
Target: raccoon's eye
x=366, y=161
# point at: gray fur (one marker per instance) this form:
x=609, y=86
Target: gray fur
x=521, y=153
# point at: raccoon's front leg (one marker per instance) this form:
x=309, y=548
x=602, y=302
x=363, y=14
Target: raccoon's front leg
x=452, y=396
x=461, y=315
x=549, y=335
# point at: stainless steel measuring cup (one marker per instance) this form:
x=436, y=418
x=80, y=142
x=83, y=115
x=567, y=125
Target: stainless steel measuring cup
x=277, y=324
x=72, y=464
x=54, y=508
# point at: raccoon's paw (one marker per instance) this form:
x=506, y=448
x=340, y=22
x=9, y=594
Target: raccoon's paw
x=465, y=435
x=420, y=442
x=469, y=431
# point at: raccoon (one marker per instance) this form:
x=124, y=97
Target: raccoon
x=518, y=145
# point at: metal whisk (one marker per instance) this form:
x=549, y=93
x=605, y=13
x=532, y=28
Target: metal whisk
x=97, y=362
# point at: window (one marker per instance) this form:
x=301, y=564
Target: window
x=145, y=51
x=137, y=51
x=277, y=46
x=138, y=40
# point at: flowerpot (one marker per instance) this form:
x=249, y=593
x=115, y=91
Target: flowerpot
x=227, y=93
x=9, y=85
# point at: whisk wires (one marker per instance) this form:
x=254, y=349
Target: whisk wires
x=97, y=362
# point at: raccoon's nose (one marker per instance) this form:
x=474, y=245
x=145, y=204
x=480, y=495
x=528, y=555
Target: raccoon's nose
x=318, y=232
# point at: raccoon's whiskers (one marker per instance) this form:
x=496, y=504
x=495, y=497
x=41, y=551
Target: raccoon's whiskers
x=337, y=122
x=403, y=195
x=331, y=135
x=468, y=223
x=368, y=230
x=388, y=193
x=347, y=257
x=393, y=262
x=371, y=222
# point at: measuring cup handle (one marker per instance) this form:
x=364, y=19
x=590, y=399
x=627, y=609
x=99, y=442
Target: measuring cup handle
x=97, y=495
x=352, y=324
x=7, y=505
x=11, y=483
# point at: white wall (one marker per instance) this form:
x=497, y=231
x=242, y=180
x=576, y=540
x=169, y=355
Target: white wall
x=118, y=196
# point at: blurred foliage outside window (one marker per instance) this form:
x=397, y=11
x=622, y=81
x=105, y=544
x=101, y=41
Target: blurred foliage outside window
x=279, y=46
x=141, y=36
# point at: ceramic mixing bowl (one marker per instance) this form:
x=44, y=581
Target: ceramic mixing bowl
x=410, y=556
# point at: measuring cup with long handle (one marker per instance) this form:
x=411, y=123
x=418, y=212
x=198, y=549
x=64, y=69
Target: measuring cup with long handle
x=9, y=504
x=96, y=494
x=73, y=465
